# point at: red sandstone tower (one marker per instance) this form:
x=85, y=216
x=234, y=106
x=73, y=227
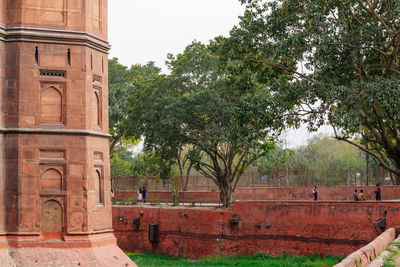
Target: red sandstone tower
x=54, y=156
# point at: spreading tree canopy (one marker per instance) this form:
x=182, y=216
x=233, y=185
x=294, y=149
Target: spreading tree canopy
x=342, y=61
x=223, y=119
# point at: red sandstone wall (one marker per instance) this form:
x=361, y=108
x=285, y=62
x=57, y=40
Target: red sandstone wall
x=57, y=131
x=329, y=193
x=85, y=15
x=99, y=214
x=301, y=228
x=3, y=85
x=3, y=8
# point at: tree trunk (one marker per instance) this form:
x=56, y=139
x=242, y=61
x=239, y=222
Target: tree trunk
x=186, y=181
x=397, y=179
x=226, y=195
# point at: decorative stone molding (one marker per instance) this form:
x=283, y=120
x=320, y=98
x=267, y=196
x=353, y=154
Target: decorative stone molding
x=53, y=36
x=53, y=131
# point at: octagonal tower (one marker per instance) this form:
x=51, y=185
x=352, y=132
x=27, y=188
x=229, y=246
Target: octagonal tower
x=54, y=156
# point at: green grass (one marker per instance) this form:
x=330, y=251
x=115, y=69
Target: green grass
x=148, y=260
x=389, y=261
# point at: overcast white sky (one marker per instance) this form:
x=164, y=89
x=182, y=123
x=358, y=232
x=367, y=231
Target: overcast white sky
x=147, y=30
x=140, y=31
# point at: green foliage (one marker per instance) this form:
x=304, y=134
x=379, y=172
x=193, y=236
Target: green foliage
x=390, y=260
x=154, y=201
x=276, y=159
x=132, y=201
x=333, y=62
x=224, y=122
x=120, y=164
x=147, y=260
x=126, y=99
x=327, y=153
x=321, y=153
x=150, y=164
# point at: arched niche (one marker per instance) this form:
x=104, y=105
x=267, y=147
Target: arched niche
x=51, y=179
x=96, y=109
x=52, y=220
x=51, y=106
x=98, y=196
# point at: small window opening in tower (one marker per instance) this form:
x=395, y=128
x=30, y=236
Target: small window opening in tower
x=36, y=55
x=91, y=61
x=69, y=57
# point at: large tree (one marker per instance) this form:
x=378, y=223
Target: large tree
x=127, y=100
x=343, y=59
x=223, y=119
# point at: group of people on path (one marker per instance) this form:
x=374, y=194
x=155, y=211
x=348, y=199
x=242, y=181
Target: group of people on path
x=142, y=191
x=360, y=196
x=356, y=196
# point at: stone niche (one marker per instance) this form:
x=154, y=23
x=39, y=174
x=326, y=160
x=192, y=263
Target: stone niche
x=51, y=219
x=52, y=103
x=52, y=192
x=52, y=178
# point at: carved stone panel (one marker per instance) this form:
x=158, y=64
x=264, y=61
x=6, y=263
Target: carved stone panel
x=51, y=225
x=51, y=103
x=51, y=179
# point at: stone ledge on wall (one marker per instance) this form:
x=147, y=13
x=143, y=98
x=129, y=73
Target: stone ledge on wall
x=366, y=254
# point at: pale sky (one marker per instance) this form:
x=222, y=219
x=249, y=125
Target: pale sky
x=147, y=30
x=140, y=31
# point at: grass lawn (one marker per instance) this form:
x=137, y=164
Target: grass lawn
x=146, y=259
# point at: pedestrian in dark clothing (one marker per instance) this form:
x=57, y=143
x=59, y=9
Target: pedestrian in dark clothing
x=355, y=195
x=378, y=193
x=144, y=192
x=315, y=193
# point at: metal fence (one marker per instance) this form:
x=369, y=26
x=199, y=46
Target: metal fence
x=280, y=178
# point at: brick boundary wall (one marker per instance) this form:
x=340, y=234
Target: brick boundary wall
x=273, y=227
x=327, y=193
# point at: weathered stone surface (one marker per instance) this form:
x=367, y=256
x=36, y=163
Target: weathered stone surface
x=368, y=253
x=108, y=255
x=54, y=119
x=272, y=227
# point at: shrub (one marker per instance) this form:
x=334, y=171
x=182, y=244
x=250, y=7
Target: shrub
x=154, y=201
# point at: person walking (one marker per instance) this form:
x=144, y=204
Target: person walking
x=378, y=193
x=355, y=195
x=361, y=196
x=144, y=192
x=315, y=193
x=139, y=197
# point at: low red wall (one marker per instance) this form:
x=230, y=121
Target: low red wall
x=198, y=197
x=295, y=227
x=329, y=193
x=324, y=193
